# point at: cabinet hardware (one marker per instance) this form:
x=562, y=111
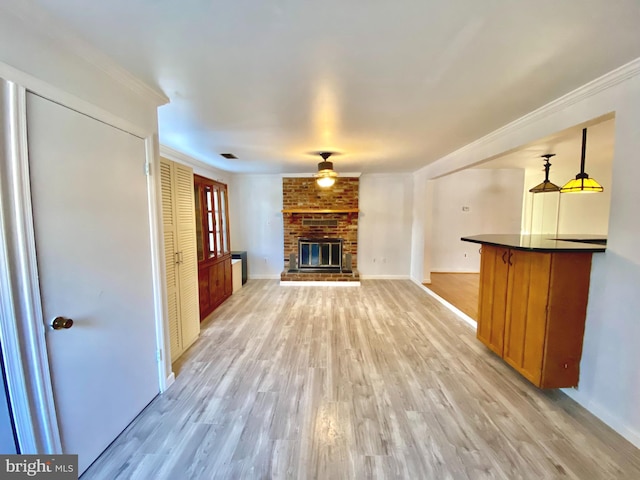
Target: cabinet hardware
x=504, y=254
x=510, y=255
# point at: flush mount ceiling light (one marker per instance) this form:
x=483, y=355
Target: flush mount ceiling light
x=326, y=176
x=546, y=186
x=582, y=182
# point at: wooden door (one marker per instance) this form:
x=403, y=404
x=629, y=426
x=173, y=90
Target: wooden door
x=494, y=271
x=91, y=223
x=526, y=314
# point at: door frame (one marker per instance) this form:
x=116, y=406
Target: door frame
x=22, y=328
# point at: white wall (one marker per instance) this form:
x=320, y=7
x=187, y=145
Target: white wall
x=420, y=267
x=568, y=213
x=40, y=54
x=610, y=368
x=255, y=219
x=494, y=201
x=587, y=213
x=384, y=225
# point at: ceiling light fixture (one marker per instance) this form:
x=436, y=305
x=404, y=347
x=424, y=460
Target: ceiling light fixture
x=582, y=182
x=546, y=186
x=326, y=176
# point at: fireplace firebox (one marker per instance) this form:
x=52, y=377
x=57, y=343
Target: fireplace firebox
x=320, y=254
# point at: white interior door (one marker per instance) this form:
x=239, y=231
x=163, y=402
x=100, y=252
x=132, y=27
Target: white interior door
x=91, y=224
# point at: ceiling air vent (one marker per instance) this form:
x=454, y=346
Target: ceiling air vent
x=230, y=156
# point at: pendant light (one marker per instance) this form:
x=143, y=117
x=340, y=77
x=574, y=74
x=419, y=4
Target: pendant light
x=326, y=176
x=582, y=182
x=546, y=186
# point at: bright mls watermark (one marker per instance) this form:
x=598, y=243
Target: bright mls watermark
x=48, y=467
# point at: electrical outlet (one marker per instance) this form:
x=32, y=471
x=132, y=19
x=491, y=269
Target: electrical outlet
x=465, y=208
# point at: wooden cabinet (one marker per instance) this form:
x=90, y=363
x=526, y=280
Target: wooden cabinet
x=214, y=252
x=532, y=311
x=179, y=231
x=215, y=284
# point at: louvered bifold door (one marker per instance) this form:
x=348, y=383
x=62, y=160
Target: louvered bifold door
x=188, y=266
x=170, y=255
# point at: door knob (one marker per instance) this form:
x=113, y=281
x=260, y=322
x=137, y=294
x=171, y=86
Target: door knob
x=59, y=323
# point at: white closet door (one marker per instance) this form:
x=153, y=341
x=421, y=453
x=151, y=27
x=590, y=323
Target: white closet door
x=91, y=222
x=188, y=268
x=170, y=251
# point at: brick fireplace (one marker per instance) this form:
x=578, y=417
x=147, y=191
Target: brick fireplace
x=316, y=216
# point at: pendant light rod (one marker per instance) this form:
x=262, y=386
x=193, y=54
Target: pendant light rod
x=546, y=186
x=547, y=165
x=582, y=182
x=584, y=151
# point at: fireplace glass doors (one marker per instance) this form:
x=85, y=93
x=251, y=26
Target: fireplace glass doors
x=320, y=253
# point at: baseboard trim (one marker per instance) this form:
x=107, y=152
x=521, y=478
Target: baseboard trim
x=457, y=311
x=605, y=416
x=384, y=277
x=264, y=277
x=444, y=270
x=170, y=380
x=318, y=283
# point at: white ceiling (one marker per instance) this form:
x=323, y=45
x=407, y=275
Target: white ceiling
x=391, y=85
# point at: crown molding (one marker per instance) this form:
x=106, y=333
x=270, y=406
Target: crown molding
x=45, y=90
x=53, y=29
x=178, y=156
x=604, y=82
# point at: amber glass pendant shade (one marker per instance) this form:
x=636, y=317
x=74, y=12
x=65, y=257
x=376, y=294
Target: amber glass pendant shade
x=582, y=182
x=546, y=186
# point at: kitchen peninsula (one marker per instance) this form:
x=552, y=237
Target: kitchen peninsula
x=533, y=302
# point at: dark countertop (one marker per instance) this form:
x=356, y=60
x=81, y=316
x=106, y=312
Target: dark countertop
x=543, y=243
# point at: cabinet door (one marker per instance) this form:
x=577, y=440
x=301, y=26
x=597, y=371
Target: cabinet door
x=188, y=266
x=526, y=314
x=169, y=224
x=204, y=291
x=566, y=313
x=493, y=297
x=228, y=278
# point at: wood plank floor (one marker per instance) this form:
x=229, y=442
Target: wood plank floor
x=379, y=381
x=459, y=289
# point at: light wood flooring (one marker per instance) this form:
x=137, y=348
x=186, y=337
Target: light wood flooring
x=380, y=381
x=459, y=289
